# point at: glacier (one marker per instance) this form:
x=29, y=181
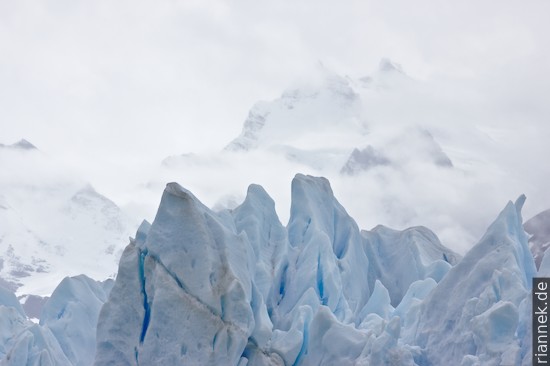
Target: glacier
x=66, y=332
x=237, y=287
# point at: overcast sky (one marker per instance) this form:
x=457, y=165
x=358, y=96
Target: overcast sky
x=122, y=82
x=150, y=77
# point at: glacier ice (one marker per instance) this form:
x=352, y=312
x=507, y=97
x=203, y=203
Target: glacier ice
x=190, y=258
x=473, y=313
x=8, y=299
x=71, y=315
x=67, y=328
x=398, y=258
x=237, y=287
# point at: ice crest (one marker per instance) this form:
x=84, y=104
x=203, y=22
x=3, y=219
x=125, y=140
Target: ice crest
x=236, y=287
x=66, y=333
x=487, y=287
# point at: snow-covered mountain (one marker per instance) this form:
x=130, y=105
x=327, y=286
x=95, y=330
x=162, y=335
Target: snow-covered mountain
x=330, y=105
x=53, y=224
x=325, y=122
x=236, y=286
x=391, y=157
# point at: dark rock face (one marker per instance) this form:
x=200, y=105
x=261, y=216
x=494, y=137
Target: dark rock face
x=365, y=159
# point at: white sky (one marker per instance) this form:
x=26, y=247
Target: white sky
x=116, y=83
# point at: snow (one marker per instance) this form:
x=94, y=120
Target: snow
x=53, y=224
x=538, y=228
x=382, y=141
x=331, y=101
x=394, y=164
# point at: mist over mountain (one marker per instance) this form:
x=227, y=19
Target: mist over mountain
x=538, y=228
x=383, y=140
x=53, y=224
x=146, y=153
x=21, y=144
x=387, y=167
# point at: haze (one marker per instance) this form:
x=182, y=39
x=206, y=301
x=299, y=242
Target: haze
x=113, y=88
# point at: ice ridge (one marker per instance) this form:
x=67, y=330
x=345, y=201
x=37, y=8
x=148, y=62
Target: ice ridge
x=237, y=287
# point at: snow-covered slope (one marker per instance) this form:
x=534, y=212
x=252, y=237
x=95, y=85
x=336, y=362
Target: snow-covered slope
x=329, y=117
x=330, y=105
x=53, y=224
x=379, y=139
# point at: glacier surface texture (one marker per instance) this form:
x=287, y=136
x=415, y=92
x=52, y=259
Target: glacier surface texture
x=237, y=287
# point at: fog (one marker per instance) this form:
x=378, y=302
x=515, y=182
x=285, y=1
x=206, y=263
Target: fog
x=110, y=89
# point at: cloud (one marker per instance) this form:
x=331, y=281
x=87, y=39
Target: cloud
x=112, y=88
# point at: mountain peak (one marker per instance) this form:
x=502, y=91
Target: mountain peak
x=320, y=106
x=24, y=144
x=386, y=65
x=21, y=144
